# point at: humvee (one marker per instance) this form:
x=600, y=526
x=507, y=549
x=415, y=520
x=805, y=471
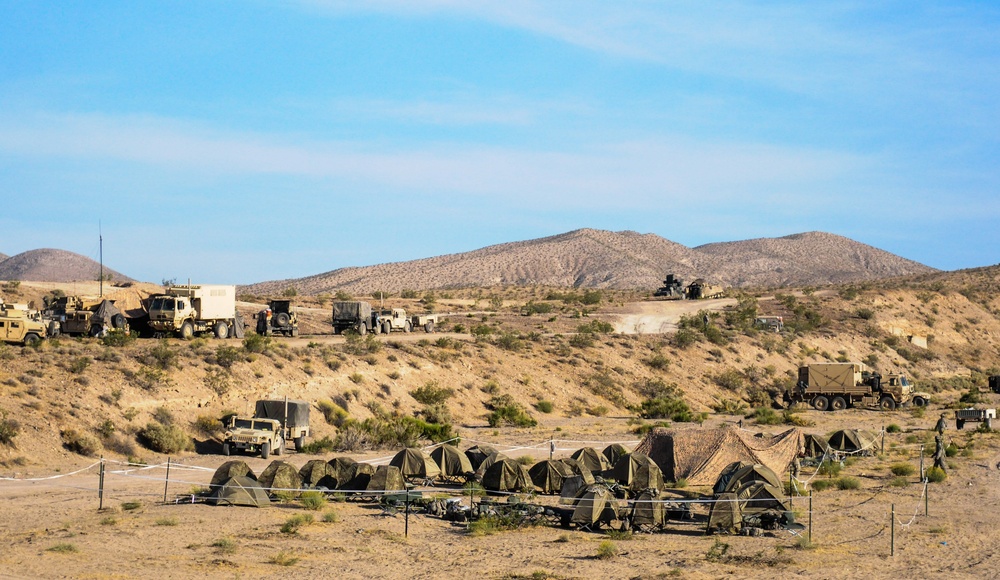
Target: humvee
x=277, y=318
x=18, y=327
x=254, y=435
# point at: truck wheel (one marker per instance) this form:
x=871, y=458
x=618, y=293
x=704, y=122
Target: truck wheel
x=838, y=404
x=221, y=330
x=265, y=450
x=225, y=449
x=31, y=339
x=960, y=424
x=53, y=329
x=187, y=330
x=407, y=327
x=989, y=422
x=299, y=442
x=429, y=327
x=281, y=319
x=362, y=329
x=387, y=327
x=887, y=404
x=295, y=332
x=919, y=402
x=280, y=449
x=376, y=328
x=821, y=403
x=118, y=321
x=96, y=330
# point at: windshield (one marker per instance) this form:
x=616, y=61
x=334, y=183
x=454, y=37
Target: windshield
x=243, y=424
x=162, y=303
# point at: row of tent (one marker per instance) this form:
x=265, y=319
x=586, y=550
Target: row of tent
x=495, y=471
x=845, y=441
x=748, y=495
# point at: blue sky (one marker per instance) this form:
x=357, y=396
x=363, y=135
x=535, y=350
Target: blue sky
x=234, y=142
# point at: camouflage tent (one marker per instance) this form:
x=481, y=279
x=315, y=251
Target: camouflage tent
x=453, y=463
x=486, y=463
x=853, y=441
x=361, y=474
x=592, y=459
x=386, y=478
x=280, y=476
x=107, y=317
x=240, y=490
x=594, y=507
x=579, y=469
x=758, y=496
x=648, y=510
x=738, y=473
x=343, y=468
x=572, y=487
x=413, y=462
x=318, y=473
x=548, y=475
x=507, y=475
x=637, y=472
x=614, y=452
x=815, y=445
x=478, y=453
x=699, y=455
x=229, y=469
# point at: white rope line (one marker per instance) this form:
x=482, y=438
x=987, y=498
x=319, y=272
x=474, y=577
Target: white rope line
x=58, y=476
x=916, y=511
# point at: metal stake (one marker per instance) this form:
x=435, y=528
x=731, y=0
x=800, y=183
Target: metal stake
x=100, y=488
x=166, y=482
x=810, y=516
x=892, y=545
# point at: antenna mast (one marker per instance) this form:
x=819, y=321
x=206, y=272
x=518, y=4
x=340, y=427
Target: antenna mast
x=100, y=238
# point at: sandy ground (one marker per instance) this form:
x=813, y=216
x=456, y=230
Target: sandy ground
x=662, y=316
x=53, y=528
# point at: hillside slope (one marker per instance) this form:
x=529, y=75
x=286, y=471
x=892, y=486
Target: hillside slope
x=590, y=258
x=49, y=265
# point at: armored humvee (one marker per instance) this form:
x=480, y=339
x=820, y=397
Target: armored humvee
x=17, y=326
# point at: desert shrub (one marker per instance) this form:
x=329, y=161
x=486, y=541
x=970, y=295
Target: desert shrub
x=79, y=364
x=607, y=550
x=318, y=446
x=118, y=338
x=356, y=378
x=846, y=483
x=893, y=428
x=765, y=416
x=9, y=428
x=256, y=343
x=80, y=443
x=149, y=378
x=431, y=394
x=902, y=469
x=582, y=340
x=510, y=341
x=359, y=346
x=207, y=425
x=822, y=484
x=165, y=438
x=830, y=468
x=227, y=356
x=333, y=413
x=730, y=379
x=658, y=362
x=935, y=475
x=684, y=337
x=533, y=307
x=789, y=417
x=162, y=356
x=292, y=524
x=544, y=406
x=951, y=450
x=667, y=407
x=730, y=407
x=899, y=481
x=313, y=500
x=506, y=411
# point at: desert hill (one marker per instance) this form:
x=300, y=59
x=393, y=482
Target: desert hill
x=3, y=256
x=49, y=265
x=588, y=258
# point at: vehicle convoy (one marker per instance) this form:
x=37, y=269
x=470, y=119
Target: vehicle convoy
x=984, y=416
x=293, y=415
x=75, y=316
x=185, y=310
x=273, y=423
x=837, y=386
x=360, y=317
x=18, y=326
x=277, y=318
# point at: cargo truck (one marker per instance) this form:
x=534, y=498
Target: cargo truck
x=185, y=310
x=837, y=386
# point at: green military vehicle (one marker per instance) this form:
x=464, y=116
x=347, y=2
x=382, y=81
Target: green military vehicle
x=277, y=318
x=19, y=327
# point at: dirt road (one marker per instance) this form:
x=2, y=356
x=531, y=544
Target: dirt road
x=662, y=316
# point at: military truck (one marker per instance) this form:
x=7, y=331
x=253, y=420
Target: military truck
x=672, y=289
x=254, y=435
x=396, y=319
x=357, y=316
x=293, y=416
x=700, y=289
x=185, y=310
x=19, y=327
x=985, y=416
x=277, y=318
x=837, y=386
x=75, y=316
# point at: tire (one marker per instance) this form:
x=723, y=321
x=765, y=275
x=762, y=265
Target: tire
x=280, y=449
x=221, y=330
x=31, y=339
x=887, y=404
x=295, y=332
x=429, y=327
x=96, y=330
x=387, y=327
x=821, y=403
x=54, y=329
x=187, y=330
x=838, y=404
x=407, y=327
x=118, y=321
x=919, y=402
x=960, y=424
x=376, y=328
x=225, y=449
x=362, y=329
x=265, y=450
x=989, y=423
x=299, y=442
x=281, y=319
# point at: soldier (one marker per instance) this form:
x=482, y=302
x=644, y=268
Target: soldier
x=939, y=453
x=941, y=425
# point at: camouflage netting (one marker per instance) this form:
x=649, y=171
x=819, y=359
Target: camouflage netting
x=700, y=455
